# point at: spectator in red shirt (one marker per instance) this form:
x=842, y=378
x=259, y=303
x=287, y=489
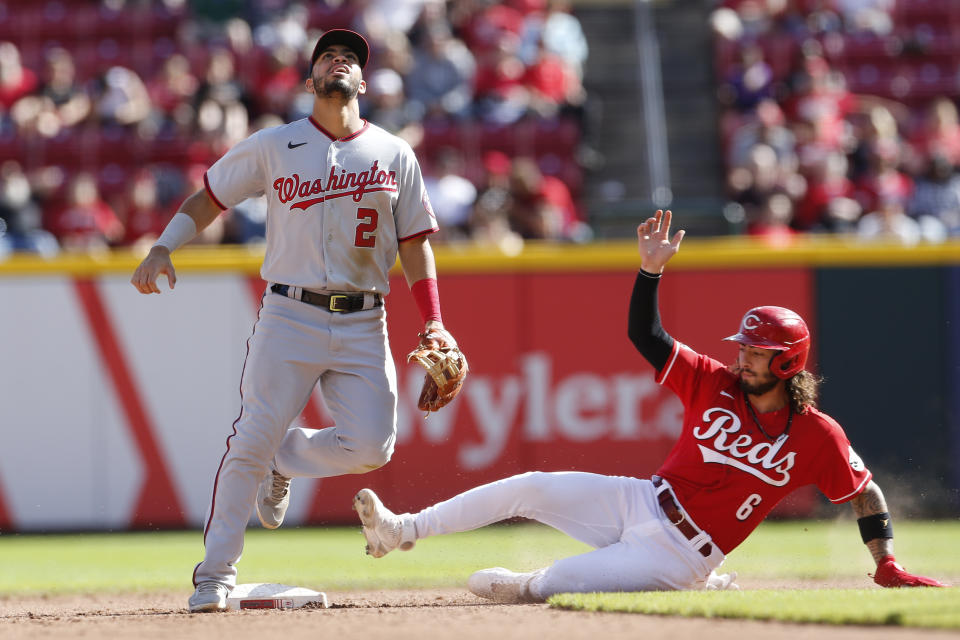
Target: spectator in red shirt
x=16, y=81
x=939, y=134
x=828, y=203
x=542, y=207
x=281, y=82
x=772, y=221
x=883, y=181
x=553, y=84
x=175, y=84
x=822, y=102
x=483, y=29
x=84, y=221
x=499, y=86
x=142, y=215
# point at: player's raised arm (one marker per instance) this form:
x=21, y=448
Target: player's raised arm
x=196, y=212
x=876, y=531
x=644, y=327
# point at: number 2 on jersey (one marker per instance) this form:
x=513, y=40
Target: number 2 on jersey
x=366, y=230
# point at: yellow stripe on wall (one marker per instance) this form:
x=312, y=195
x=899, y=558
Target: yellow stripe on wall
x=712, y=253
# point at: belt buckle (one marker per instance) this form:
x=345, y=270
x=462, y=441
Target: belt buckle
x=678, y=522
x=332, y=303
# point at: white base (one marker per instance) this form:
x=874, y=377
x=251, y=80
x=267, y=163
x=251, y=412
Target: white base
x=267, y=595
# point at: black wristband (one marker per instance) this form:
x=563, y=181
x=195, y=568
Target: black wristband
x=652, y=276
x=875, y=526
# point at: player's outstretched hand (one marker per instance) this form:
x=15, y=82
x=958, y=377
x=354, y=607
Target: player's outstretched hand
x=156, y=263
x=445, y=365
x=891, y=574
x=435, y=336
x=654, y=242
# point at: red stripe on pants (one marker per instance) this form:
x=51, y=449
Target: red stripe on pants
x=313, y=415
x=6, y=524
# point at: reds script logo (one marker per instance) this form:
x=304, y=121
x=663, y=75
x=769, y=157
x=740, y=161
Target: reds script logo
x=721, y=424
x=339, y=185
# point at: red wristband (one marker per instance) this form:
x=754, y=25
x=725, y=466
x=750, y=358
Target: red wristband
x=428, y=299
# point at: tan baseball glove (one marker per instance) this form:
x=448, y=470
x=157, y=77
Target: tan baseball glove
x=446, y=367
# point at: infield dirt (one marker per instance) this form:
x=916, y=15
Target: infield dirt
x=393, y=615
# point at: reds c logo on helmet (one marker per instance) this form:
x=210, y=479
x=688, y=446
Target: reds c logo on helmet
x=779, y=329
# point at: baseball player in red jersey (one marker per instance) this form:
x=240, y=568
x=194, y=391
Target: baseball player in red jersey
x=344, y=199
x=751, y=435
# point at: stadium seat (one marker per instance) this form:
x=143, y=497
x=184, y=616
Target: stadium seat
x=861, y=48
x=111, y=23
x=70, y=149
x=167, y=150
x=116, y=146
x=565, y=169
x=323, y=16
x=780, y=51
x=83, y=23
x=911, y=12
x=558, y=136
x=516, y=139
x=54, y=21
x=725, y=55
x=440, y=133
x=112, y=179
x=12, y=147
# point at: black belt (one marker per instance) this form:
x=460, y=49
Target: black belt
x=676, y=517
x=340, y=302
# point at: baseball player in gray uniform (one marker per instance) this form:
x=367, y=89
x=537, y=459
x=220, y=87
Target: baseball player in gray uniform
x=344, y=199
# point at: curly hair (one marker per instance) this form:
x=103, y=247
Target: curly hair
x=803, y=389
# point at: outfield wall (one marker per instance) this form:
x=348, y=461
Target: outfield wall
x=115, y=406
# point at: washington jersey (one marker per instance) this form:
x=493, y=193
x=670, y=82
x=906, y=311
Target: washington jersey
x=727, y=471
x=336, y=207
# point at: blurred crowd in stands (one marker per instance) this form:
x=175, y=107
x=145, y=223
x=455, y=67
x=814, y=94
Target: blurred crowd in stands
x=111, y=111
x=841, y=116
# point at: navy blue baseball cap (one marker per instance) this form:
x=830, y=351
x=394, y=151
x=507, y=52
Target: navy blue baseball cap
x=350, y=39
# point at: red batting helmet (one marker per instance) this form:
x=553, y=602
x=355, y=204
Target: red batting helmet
x=780, y=329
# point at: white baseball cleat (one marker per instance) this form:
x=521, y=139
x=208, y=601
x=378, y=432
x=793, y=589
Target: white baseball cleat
x=383, y=529
x=504, y=586
x=273, y=498
x=209, y=597
x=722, y=581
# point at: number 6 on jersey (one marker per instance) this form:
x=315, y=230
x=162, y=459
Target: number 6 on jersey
x=747, y=507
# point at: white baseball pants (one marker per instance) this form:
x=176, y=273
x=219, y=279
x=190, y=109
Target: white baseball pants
x=636, y=547
x=293, y=347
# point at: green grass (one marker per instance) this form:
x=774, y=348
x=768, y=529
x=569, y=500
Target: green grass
x=803, y=550
x=333, y=559
x=818, y=550
x=899, y=607
x=320, y=558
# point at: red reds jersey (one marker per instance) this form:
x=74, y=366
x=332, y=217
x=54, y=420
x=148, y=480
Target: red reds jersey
x=726, y=472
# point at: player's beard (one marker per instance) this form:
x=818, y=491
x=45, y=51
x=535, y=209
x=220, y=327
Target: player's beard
x=345, y=88
x=759, y=387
